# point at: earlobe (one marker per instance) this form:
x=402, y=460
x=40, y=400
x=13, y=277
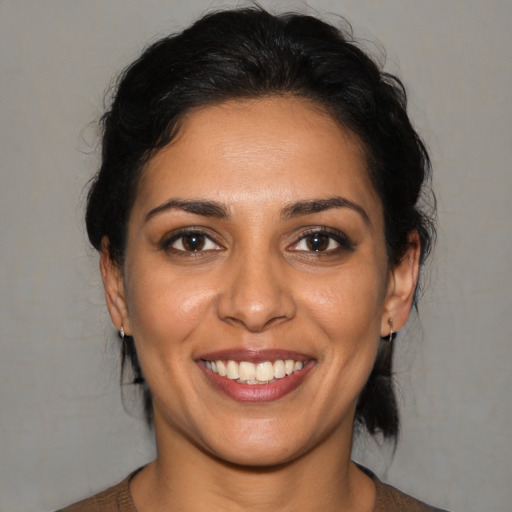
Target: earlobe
x=401, y=288
x=113, y=285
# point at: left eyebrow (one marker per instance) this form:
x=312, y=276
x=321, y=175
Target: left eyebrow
x=321, y=205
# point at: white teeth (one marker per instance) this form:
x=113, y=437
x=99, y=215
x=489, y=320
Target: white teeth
x=221, y=368
x=232, y=370
x=264, y=371
x=245, y=372
x=279, y=369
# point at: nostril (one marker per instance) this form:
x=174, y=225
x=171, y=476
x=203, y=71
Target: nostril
x=254, y=323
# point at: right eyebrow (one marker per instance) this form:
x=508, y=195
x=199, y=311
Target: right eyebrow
x=195, y=206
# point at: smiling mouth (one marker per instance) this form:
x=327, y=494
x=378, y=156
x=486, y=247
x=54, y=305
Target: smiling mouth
x=246, y=372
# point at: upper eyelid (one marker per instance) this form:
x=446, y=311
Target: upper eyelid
x=176, y=234
x=341, y=238
x=331, y=232
x=337, y=234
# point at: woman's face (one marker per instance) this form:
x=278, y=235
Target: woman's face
x=256, y=239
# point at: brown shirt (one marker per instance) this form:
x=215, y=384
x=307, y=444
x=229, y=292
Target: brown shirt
x=118, y=499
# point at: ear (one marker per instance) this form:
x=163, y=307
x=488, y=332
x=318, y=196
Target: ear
x=402, y=283
x=113, y=285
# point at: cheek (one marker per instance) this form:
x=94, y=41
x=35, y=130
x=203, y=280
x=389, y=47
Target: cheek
x=165, y=308
x=347, y=305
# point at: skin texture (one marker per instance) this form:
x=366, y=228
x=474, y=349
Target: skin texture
x=256, y=284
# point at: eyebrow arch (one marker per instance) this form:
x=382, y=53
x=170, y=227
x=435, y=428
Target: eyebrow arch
x=321, y=205
x=195, y=206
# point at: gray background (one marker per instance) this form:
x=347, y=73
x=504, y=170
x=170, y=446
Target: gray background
x=63, y=431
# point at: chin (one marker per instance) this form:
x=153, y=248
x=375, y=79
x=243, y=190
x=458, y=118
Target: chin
x=249, y=456
x=260, y=444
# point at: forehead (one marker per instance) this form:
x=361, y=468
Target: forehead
x=259, y=151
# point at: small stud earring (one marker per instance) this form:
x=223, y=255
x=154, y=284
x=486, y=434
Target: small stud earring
x=121, y=332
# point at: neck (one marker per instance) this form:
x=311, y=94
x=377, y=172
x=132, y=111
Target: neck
x=185, y=477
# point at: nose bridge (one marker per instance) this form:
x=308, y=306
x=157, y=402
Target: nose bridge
x=255, y=293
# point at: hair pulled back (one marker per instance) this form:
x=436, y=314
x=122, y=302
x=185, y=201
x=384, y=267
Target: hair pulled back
x=250, y=53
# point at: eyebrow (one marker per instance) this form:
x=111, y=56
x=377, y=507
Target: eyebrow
x=321, y=205
x=217, y=210
x=195, y=206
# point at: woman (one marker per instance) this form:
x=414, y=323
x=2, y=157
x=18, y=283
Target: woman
x=256, y=213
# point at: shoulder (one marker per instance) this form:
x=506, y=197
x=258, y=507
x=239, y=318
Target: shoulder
x=114, y=499
x=390, y=499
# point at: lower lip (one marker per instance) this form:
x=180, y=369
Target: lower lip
x=258, y=392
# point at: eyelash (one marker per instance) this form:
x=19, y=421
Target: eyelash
x=332, y=235
x=167, y=243
x=342, y=241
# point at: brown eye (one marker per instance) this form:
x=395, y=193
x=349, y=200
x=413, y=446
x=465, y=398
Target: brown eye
x=323, y=241
x=193, y=242
x=318, y=242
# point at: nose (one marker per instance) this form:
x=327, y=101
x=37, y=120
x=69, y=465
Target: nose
x=256, y=295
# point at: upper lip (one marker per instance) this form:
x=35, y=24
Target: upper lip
x=255, y=355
